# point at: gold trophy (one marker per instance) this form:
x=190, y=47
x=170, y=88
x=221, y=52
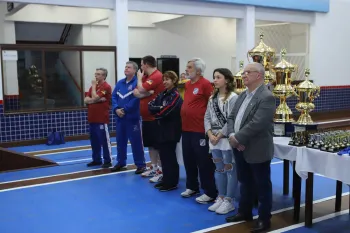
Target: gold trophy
x=240, y=87
x=264, y=55
x=306, y=93
x=283, y=90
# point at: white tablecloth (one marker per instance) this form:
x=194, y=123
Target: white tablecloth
x=285, y=151
x=327, y=164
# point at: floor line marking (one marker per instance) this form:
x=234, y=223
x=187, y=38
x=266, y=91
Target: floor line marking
x=40, y=177
x=315, y=220
x=62, y=174
x=77, y=160
x=70, y=180
x=273, y=213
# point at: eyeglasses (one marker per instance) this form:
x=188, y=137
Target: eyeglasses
x=248, y=72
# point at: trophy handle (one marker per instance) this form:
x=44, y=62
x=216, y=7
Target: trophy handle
x=248, y=57
x=317, y=92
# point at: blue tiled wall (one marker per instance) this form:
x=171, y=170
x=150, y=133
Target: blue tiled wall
x=29, y=126
x=20, y=127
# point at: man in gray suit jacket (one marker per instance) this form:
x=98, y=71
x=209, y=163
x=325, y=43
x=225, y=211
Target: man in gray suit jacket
x=250, y=131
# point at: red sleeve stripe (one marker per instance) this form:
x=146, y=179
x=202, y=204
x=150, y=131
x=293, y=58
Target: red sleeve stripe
x=170, y=105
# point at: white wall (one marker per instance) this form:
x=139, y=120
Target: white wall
x=8, y=36
x=329, y=45
x=212, y=39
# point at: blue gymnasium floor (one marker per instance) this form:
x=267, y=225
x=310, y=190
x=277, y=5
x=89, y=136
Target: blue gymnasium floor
x=121, y=202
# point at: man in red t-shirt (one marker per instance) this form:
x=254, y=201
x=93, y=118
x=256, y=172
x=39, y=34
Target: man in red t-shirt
x=149, y=85
x=98, y=102
x=195, y=146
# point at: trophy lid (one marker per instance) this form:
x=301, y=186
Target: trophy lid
x=283, y=64
x=262, y=49
x=306, y=84
x=239, y=73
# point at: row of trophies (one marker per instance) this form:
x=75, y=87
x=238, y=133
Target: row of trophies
x=281, y=75
x=326, y=140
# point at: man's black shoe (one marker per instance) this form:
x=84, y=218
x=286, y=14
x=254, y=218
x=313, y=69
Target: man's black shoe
x=118, y=168
x=92, y=164
x=159, y=185
x=167, y=188
x=107, y=165
x=238, y=218
x=140, y=170
x=260, y=226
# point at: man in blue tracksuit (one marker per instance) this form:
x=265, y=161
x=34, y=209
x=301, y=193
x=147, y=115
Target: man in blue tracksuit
x=127, y=108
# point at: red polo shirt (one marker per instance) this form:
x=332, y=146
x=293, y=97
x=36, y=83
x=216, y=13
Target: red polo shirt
x=153, y=82
x=99, y=112
x=195, y=104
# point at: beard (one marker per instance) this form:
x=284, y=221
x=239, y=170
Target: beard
x=191, y=75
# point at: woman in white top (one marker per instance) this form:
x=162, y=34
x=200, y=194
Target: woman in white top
x=219, y=107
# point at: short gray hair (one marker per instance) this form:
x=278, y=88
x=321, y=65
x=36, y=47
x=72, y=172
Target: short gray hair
x=260, y=68
x=199, y=64
x=134, y=64
x=105, y=71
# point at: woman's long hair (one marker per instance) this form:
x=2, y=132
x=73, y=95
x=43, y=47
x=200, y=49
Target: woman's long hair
x=230, y=85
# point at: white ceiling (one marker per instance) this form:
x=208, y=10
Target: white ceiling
x=78, y=15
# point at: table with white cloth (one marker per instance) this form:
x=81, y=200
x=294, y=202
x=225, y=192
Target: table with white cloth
x=327, y=164
x=289, y=154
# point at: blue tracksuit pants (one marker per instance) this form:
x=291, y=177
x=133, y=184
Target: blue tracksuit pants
x=130, y=129
x=99, y=137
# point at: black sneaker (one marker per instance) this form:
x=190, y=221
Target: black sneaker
x=118, y=168
x=107, y=165
x=140, y=170
x=92, y=164
x=167, y=188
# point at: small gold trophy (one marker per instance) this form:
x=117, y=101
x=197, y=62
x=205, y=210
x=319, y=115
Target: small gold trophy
x=283, y=90
x=264, y=55
x=306, y=93
x=240, y=87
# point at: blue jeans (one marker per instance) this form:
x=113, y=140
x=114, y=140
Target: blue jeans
x=226, y=179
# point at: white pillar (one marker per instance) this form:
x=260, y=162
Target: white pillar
x=245, y=35
x=121, y=35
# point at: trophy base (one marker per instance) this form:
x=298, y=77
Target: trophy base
x=283, y=129
x=301, y=127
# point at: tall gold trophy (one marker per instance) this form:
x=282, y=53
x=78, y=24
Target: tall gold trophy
x=306, y=93
x=264, y=55
x=240, y=87
x=283, y=90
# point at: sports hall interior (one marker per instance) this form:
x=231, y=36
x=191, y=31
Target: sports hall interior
x=50, y=189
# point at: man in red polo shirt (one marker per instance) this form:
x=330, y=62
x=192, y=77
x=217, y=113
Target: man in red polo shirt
x=149, y=85
x=98, y=101
x=195, y=146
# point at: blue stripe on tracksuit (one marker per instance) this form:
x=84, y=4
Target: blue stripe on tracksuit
x=99, y=136
x=129, y=126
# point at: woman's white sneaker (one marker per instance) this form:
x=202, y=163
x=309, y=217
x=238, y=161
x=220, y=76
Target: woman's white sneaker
x=216, y=205
x=225, y=207
x=204, y=199
x=189, y=193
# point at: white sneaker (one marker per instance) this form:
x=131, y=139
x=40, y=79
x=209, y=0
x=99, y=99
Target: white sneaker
x=204, y=199
x=216, y=205
x=188, y=193
x=157, y=177
x=225, y=207
x=149, y=173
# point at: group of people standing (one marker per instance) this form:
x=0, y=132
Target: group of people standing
x=227, y=140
